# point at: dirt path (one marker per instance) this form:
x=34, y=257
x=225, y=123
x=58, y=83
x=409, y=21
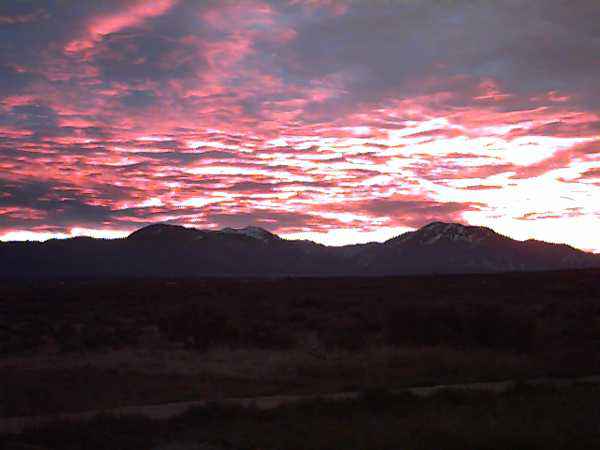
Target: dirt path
x=169, y=410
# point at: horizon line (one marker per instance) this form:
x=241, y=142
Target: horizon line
x=312, y=236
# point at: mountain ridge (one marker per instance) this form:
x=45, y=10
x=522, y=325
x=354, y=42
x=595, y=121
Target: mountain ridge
x=173, y=250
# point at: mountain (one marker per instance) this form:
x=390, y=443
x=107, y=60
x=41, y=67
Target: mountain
x=253, y=232
x=171, y=250
x=455, y=248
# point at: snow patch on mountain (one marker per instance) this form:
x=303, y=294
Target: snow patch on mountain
x=253, y=232
x=432, y=233
x=441, y=231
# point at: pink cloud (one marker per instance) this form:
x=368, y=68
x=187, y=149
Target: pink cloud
x=226, y=118
x=560, y=159
x=133, y=15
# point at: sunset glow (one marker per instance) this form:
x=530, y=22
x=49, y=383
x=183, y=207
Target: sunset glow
x=340, y=122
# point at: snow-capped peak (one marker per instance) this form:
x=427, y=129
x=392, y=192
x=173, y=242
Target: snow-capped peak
x=253, y=232
x=435, y=231
x=455, y=232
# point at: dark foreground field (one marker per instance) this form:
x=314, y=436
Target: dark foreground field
x=523, y=418
x=75, y=345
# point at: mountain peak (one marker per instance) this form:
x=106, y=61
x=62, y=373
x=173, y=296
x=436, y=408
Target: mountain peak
x=440, y=224
x=455, y=232
x=253, y=232
x=444, y=231
x=160, y=231
x=163, y=249
x=168, y=232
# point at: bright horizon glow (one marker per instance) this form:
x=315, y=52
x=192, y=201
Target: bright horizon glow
x=42, y=236
x=333, y=238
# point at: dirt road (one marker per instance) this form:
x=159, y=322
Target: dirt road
x=169, y=410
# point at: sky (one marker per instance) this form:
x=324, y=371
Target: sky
x=336, y=121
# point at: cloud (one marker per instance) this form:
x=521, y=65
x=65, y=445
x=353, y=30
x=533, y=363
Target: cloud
x=560, y=159
x=592, y=173
x=17, y=19
x=297, y=115
x=134, y=14
x=415, y=213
